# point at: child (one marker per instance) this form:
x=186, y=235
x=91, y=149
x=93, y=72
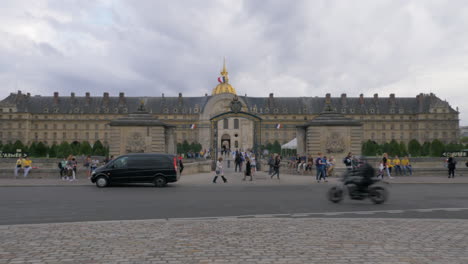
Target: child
x=381, y=171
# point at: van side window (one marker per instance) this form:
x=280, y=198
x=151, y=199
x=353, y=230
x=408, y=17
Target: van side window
x=120, y=163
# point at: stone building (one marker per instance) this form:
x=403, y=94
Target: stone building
x=244, y=122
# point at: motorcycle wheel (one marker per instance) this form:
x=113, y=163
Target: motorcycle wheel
x=378, y=194
x=335, y=194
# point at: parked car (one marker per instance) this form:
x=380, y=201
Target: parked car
x=155, y=168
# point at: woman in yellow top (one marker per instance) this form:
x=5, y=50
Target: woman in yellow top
x=27, y=166
x=396, y=164
x=19, y=164
x=405, y=163
x=390, y=165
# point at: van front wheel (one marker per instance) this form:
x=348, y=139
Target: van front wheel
x=160, y=181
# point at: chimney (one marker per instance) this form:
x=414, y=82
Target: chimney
x=105, y=99
x=56, y=97
x=180, y=95
x=19, y=92
x=327, y=98
x=180, y=98
x=162, y=95
x=28, y=94
x=361, y=99
x=420, y=99
x=271, y=95
x=72, y=95
x=121, y=98
x=392, y=98
x=343, y=98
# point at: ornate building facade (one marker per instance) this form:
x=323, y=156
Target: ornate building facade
x=227, y=119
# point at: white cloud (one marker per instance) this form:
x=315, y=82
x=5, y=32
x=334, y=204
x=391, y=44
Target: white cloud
x=300, y=48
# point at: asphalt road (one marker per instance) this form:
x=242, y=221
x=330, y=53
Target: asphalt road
x=49, y=204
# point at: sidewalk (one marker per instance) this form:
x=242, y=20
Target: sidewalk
x=243, y=241
x=236, y=179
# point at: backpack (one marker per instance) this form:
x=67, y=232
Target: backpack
x=317, y=162
x=60, y=165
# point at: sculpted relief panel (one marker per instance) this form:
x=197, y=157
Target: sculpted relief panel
x=335, y=143
x=135, y=143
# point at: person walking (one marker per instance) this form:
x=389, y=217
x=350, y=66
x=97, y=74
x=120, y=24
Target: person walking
x=248, y=169
x=181, y=164
x=253, y=164
x=320, y=165
x=19, y=164
x=219, y=170
x=87, y=165
x=451, y=164
x=27, y=163
x=276, y=167
x=271, y=164
x=385, y=163
x=238, y=162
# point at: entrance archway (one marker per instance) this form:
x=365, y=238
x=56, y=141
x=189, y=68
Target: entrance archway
x=257, y=126
x=225, y=142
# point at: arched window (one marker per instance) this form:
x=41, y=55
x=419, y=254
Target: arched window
x=236, y=123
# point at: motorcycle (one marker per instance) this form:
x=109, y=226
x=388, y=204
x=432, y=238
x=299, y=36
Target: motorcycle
x=350, y=182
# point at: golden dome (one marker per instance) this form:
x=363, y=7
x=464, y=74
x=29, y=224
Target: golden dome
x=224, y=86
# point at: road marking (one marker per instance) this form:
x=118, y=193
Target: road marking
x=304, y=215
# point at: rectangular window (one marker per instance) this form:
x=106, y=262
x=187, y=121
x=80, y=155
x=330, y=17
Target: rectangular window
x=225, y=124
x=64, y=135
x=236, y=123
x=96, y=135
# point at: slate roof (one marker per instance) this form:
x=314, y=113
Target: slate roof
x=190, y=105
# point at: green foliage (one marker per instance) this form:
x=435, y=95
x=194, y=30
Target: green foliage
x=276, y=148
x=53, y=151
x=437, y=148
x=403, y=150
x=8, y=147
x=414, y=148
x=85, y=148
x=426, y=149
x=464, y=140
x=41, y=150
x=454, y=147
x=185, y=146
x=99, y=149
x=394, y=148
x=179, y=148
x=64, y=150
x=19, y=145
x=75, y=148
x=370, y=148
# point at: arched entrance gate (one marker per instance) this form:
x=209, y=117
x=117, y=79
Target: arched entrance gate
x=257, y=132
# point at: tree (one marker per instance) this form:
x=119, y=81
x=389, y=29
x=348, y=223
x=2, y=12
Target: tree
x=394, y=148
x=41, y=150
x=269, y=147
x=197, y=148
x=414, y=148
x=453, y=147
x=185, y=146
x=75, y=148
x=370, y=148
x=276, y=148
x=64, y=150
x=437, y=148
x=403, y=151
x=85, y=148
x=426, y=148
x=53, y=151
x=179, y=148
x=385, y=147
x=8, y=148
x=98, y=149
x=18, y=145
x=464, y=140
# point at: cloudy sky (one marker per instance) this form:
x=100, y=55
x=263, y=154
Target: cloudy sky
x=290, y=48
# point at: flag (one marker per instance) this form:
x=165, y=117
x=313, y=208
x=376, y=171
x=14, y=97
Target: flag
x=193, y=126
x=278, y=126
x=220, y=79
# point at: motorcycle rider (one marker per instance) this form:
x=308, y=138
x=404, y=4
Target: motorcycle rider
x=362, y=177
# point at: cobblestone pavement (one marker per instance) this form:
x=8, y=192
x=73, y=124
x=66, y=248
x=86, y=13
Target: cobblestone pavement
x=235, y=178
x=225, y=240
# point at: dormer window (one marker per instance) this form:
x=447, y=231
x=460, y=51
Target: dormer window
x=285, y=110
x=46, y=110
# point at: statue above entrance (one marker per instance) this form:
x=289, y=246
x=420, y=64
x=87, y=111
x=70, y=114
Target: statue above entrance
x=236, y=105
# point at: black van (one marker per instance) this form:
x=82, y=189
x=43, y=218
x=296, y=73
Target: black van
x=159, y=169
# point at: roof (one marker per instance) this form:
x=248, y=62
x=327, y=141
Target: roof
x=193, y=105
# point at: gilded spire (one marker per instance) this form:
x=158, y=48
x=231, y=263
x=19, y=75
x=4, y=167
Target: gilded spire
x=224, y=73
